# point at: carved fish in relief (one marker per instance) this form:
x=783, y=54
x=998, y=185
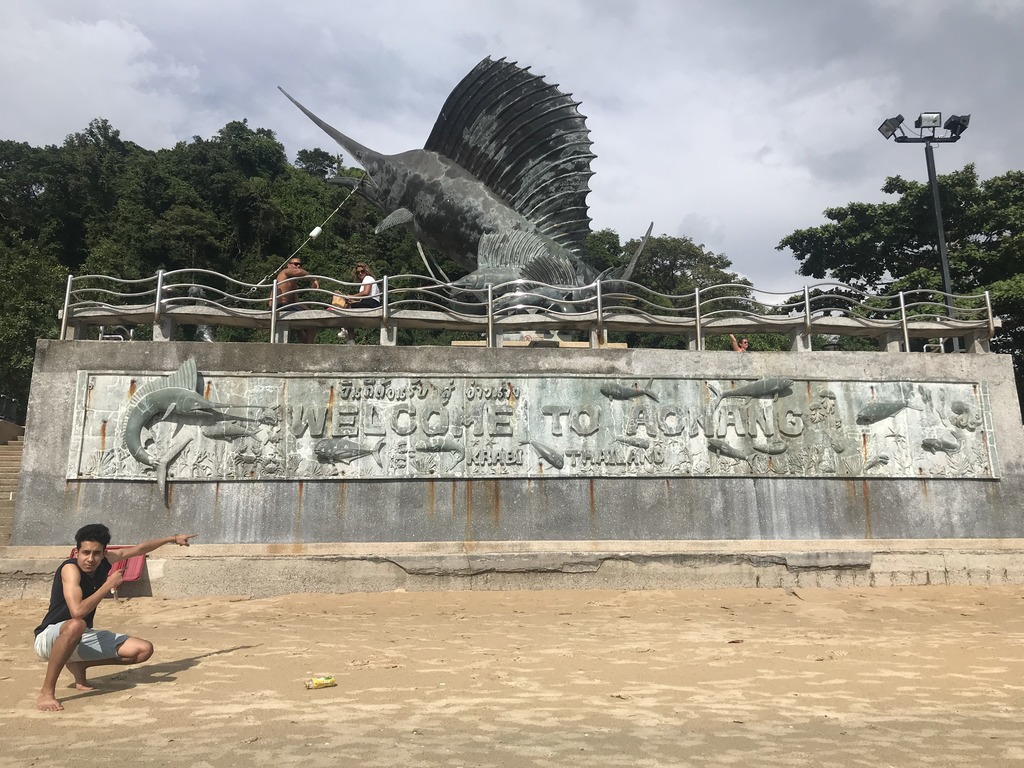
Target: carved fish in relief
x=637, y=442
x=770, y=447
x=500, y=185
x=770, y=386
x=438, y=444
x=872, y=413
x=615, y=391
x=722, y=448
x=340, y=449
x=551, y=455
x=941, y=445
x=227, y=430
x=163, y=397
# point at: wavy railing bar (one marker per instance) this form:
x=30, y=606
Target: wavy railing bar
x=200, y=296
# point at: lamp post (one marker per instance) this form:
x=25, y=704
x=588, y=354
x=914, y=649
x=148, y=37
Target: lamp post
x=927, y=125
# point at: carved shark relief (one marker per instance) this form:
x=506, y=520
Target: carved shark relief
x=500, y=185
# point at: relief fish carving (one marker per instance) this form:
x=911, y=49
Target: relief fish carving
x=551, y=455
x=615, y=391
x=165, y=397
x=500, y=185
x=942, y=445
x=346, y=451
x=722, y=448
x=770, y=447
x=438, y=444
x=872, y=413
x=227, y=430
x=770, y=386
x=637, y=442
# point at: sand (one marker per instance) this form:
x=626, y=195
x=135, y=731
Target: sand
x=920, y=676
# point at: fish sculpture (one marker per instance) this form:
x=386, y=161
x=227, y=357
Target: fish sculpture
x=942, y=445
x=722, y=448
x=500, y=185
x=228, y=430
x=774, y=447
x=345, y=451
x=163, y=397
x=615, y=391
x=642, y=443
x=440, y=444
x=552, y=456
x=872, y=413
x=770, y=386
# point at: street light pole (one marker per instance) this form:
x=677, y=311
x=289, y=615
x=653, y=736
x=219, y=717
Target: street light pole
x=930, y=122
x=947, y=286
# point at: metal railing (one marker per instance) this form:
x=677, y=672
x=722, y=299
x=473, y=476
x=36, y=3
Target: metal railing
x=198, y=296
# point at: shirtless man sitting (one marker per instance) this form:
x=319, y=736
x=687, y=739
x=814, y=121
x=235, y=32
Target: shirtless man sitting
x=286, y=286
x=66, y=637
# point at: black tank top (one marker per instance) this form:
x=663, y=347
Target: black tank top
x=59, y=610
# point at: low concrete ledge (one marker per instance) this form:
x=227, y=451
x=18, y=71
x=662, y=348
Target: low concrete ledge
x=258, y=571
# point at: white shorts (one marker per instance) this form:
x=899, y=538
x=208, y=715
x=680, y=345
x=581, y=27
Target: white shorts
x=95, y=645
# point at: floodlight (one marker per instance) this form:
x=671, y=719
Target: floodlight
x=928, y=120
x=890, y=126
x=957, y=124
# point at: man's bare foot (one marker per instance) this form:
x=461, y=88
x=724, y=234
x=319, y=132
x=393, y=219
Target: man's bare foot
x=78, y=671
x=47, y=702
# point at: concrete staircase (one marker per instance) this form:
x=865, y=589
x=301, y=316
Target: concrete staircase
x=10, y=468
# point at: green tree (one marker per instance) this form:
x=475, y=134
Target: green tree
x=677, y=267
x=892, y=246
x=32, y=282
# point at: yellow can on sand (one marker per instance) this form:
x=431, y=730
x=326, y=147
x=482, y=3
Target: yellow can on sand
x=321, y=681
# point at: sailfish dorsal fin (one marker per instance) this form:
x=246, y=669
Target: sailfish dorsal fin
x=186, y=377
x=526, y=141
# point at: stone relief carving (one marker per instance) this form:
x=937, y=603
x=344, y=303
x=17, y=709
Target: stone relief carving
x=349, y=427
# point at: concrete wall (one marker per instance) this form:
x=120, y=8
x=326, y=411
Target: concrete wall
x=583, y=510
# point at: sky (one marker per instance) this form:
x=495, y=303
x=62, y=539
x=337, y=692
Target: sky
x=732, y=122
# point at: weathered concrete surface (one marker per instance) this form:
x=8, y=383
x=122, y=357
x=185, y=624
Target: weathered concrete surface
x=462, y=512
x=262, y=571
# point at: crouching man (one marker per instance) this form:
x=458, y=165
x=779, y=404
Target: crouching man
x=66, y=637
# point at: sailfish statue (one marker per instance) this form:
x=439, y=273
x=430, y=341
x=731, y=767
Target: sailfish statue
x=500, y=185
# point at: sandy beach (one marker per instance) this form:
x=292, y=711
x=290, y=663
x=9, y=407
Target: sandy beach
x=916, y=676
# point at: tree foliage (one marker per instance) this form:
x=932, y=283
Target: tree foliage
x=893, y=246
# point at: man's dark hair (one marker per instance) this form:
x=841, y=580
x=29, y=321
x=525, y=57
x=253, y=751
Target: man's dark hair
x=93, y=532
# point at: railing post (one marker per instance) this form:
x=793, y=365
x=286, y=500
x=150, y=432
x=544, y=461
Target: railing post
x=273, y=313
x=988, y=309
x=697, y=330
x=807, y=313
x=903, y=323
x=600, y=315
x=67, y=307
x=159, y=296
x=490, y=316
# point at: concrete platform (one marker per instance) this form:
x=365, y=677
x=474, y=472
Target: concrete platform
x=270, y=570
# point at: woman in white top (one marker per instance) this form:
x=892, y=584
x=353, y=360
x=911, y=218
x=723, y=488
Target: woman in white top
x=369, y=291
